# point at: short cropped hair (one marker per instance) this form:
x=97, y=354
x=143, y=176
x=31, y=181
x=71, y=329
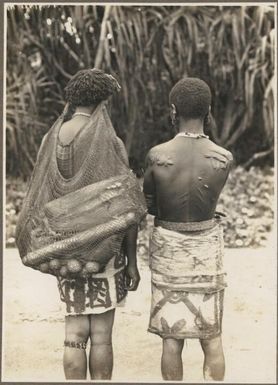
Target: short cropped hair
x=191, y=97
x=90, y=87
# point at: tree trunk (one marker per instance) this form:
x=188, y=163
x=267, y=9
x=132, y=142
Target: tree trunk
x=100, y=51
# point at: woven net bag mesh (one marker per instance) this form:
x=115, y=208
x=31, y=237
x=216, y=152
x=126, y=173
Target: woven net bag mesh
x=73, y=227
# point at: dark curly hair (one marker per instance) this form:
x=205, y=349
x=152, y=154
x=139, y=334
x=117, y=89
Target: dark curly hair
x=90, y=87
x=191, y=97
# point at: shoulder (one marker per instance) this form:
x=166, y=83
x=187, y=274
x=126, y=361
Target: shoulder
x=50, y=134
x=219, y=157
x=228, y=155
x=160, y=149
x=45, y=139
x=120, y=142
x=159, y=155
x=221, y=151
x=155, y=150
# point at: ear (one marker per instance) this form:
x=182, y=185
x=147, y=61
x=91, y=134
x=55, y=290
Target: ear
x=173, y=111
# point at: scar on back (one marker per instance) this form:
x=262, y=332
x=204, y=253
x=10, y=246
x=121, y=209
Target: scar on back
x=160, y=160
x=218, y=161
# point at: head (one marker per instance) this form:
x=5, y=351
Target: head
x=87, y=88
x=190, y=98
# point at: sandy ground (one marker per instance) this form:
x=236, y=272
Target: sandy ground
x=33, y=328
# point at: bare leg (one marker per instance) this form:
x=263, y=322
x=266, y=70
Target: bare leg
x=75, y=359
x=101, y=353
x=171, y=360
x=214, y=362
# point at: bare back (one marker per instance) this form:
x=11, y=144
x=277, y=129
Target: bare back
x=70, y=129
x=184, y=178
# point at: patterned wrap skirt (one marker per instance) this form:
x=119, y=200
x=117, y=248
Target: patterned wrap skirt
x=188, y=280
x=98, y=294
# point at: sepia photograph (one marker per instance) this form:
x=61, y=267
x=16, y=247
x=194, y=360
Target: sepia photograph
x=139, y=192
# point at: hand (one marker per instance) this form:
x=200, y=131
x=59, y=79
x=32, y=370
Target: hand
x=132, y=277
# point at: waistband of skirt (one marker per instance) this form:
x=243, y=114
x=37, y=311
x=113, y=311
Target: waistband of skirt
x=187, y=226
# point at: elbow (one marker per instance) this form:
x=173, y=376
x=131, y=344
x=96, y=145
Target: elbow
x=152, y=211
x=151, y=206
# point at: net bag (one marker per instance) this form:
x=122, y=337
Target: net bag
x=72, y=228
x=83, y=230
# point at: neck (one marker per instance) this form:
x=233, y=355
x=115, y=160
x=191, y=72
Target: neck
x=86, y=110
x=193, y=126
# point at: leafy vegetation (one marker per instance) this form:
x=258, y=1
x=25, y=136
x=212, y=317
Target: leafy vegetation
x=148, y=48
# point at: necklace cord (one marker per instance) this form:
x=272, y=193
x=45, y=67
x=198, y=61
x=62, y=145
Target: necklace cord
x=191, y=135
x=81, y=114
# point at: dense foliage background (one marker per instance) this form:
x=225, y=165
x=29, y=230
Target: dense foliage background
x=148, y=48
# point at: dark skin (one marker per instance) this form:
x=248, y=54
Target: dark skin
x=183, y=180
x=132, y=273
x=185, y=176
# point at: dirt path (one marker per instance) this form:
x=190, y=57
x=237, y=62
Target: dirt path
x=33, y=330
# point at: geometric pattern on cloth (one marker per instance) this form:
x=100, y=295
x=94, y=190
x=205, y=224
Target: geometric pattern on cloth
x=181, y=314
x=120, y=285
x=94, y=295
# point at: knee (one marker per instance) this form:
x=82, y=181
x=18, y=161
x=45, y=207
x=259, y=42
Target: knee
x=213, y=347
x=172, y=346
x=77, y=335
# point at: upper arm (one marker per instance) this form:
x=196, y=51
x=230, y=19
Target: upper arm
x=148, y=185
x=231, y=159
x=230, y=162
